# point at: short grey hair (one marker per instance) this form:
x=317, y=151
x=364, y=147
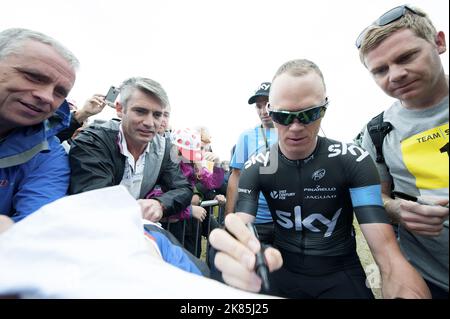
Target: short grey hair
x=419, y=23
x=12, y=40
x=145, y=85
x=299, y=67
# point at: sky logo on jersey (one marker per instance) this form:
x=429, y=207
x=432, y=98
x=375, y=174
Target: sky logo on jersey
x=284, y=220
x=343, y=149
x=258, y=158
x=281, y=195
x=319, y=174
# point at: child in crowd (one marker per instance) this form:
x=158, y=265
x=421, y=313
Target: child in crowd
x=192, y=153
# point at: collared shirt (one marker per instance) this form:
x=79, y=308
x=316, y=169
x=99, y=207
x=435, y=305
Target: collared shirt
x=134, y=170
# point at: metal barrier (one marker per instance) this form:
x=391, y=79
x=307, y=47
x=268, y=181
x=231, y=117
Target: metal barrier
x=209, y=205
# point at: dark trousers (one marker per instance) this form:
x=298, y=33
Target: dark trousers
x=320, y=277
x=437, y=292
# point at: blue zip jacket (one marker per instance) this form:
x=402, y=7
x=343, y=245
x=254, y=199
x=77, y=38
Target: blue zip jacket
x=174, y=253
x=34, y=168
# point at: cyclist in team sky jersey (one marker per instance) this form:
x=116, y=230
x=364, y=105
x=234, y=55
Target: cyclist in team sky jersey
x=312, y=186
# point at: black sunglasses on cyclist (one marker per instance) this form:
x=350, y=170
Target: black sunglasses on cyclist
x=387, y=18
x=305, y=117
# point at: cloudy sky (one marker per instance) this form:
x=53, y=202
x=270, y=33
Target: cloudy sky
x=211, y=55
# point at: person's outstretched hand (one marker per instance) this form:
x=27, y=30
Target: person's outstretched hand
x=91, y=107
x=236, y=255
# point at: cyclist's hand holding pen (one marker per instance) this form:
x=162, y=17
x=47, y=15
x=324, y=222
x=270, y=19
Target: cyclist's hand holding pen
x=420, y=215
x=260, y=265
x=239, y=255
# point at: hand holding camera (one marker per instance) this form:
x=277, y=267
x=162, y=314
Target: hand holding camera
x=91, y=107
x=111, y=96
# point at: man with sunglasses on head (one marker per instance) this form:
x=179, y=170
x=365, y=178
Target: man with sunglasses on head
x=312, y=192
x=401, y=51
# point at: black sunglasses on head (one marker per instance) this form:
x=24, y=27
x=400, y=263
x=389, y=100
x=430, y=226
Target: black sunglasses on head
x=387, y=18
x=305, y=117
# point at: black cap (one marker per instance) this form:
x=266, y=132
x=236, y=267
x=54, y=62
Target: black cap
x=262, y=90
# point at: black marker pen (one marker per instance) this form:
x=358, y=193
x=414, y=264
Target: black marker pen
x=415, y=199
x=260, y=266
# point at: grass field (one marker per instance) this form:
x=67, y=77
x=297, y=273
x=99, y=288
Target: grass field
x=367, y=261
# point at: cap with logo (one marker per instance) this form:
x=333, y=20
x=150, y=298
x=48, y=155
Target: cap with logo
x=188, y=142
x=262, y=90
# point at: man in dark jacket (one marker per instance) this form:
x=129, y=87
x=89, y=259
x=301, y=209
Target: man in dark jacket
x=131, y=153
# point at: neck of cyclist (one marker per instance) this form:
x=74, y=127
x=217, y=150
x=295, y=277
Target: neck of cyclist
x=295, y=154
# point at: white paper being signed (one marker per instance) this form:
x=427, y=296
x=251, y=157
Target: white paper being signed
x=91, y=245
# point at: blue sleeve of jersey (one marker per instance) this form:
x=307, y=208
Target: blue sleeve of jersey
x=366, y=196
x=240, y=153
x=174, y=254
x=365, y=187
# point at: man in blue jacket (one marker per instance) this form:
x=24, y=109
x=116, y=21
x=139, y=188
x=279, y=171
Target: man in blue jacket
x=36, y=75
x=250, y=145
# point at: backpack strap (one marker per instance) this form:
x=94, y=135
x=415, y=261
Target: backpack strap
x=378, y=129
